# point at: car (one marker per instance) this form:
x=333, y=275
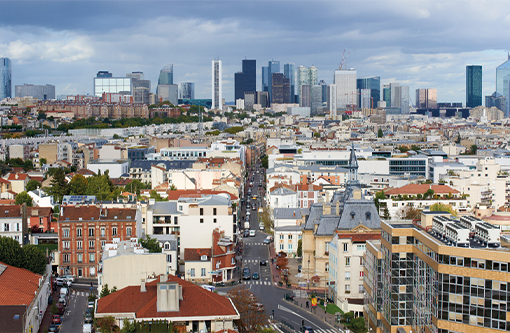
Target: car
x=246, y=270
x=89, y=311
x=260, y=184
x=69, y=278
x=255, y=276
x=306, y=329
x=271, y=238
x=60, y=281
x=61, y=308
x=251, y=183
x=252, y=233
x=57, y=320
x=63, y=301
x=246, y=233
x=261, y=226
x=299, y=268
x=263, y=262
x=266, y=241
x=87, y=328
x=255, y=197
x=246, y=276
x=220, y=284
x=53, y=328
x=254, y=207
x=90, y=305
x=88, y=319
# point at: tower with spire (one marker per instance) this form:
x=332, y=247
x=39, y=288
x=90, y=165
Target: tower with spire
x=353, y=166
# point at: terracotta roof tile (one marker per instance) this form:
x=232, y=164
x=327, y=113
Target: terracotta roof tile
x=196, y=254
x=73, y=213
x=421, y=189
x=21, y=176
x=175, y=195
x=10, y=211
x=17, y=285
x=85, y=172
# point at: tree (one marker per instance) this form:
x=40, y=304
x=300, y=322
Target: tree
x=107, y=324
x=234, y=130
x=441, y=207
x=299, y=248
x=252, y=316
x=409, y=213
x=457, y=141
x=128, y=327
x=155, y=195
x=266, y=218
x=78, y=185
x=135, y=186
x=32, y=185
x=23, y=198
x=42, y=161
x=429, y=193
x=380, y=133
x=34, y=259
x=102, y=187
x=265, y=161
x=473, y=149
x=11, y=252
x=151, y=244
x=28, y=165
x=104, y=291
x=173, y=188
x=316, y=135
x=58, y=185
x=379, y=196
x=386, y=213
x=403, y=149
x=116, y=136
x=41, y=115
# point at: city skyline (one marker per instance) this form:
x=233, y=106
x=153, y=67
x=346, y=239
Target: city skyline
x=388, y=47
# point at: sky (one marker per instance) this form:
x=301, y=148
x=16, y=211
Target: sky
x=423, y=44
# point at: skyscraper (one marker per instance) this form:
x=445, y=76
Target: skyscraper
x=217, y=97
x=345, y=81
x=187, y=90
x=305, y=95
x=315, y=99
x=42, y=92
x=426, y=98
x=306, y=76
x=273, y=67
x=138, y=80
x=5, y=78
x=364, y=99
x=331, y=96
x=265, y=78
x=404, y=99
x=473, y=86
x=502, y=86
x=374, y=84
x=313, y=75
x=324, y=86
x=166, y=75
x=387, y=94
x=289, y=73
x=246, y=80
x=277, y=88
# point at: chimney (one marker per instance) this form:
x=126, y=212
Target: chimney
x=163, y=278
x=62, y=210
x=16, y=176
x=338, y=208
x=326, y=209
x=142, y=286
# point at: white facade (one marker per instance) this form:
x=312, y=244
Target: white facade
x=41, y=199
x=345, y=81
x=115, y=168
x=217, y=102
x=11, y=227
x=395, y=207
x=286, y=239
x=331, y=99
x=283, y=198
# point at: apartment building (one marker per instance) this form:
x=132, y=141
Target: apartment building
x=430, y=281
x=54, y=152
x=13, y=223
x=83, y=231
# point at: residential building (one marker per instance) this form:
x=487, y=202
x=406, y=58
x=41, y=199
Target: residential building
x=126, y=263
x=169, y=246
x=54, y=152
x=187, y=90
x=422, y=281
x=40, y=198
x=426, y=98
x=19, y=151
x=84, y=231
x=374, y=85
x=41, y=92
x=189, y=307
x=24, y=297
x=474, y=86
x=41, y=217
x=141, y=169
x=13, y=223
x=198, y=265
x=115, y=168
x=217, y=97
x=282, y=197
x=18, y=181
x=246, y=80
x=5, y=78
x=345, y=82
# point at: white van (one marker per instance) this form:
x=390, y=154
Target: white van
x=64, y=292
x=87, y=328
x=252, y=233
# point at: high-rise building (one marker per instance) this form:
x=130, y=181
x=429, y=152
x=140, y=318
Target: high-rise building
x=426, y=98
x=324, y=87
x=387, y=94
x=217, y=102
x=104, y=74
x=43, y=92
x=139, y=81
x=331, y=99
x=289, y=73
x=404, y=99
x=496, y=100
x=265, y=78
x=246, y=80
x=186, y=90
x=316, y=99
x=306, y=76
x=166, y=75
x=374, y=84
x=106, y=83
x=273, y=67
x=5, y=78
x=263, y=98
x=277, y=88
x=141, y=95
x=313, y=75
x=502, y=86
x=473, y=86
x=345, y=81
x=395, y=95
x=364, y=99
x=169, y=92
x=305, y=95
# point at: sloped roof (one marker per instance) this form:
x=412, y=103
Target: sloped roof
x=421, y=189
x=10, y=211
x=196, y=302
x=196, y=254
x=89, y=212
x=17, y=285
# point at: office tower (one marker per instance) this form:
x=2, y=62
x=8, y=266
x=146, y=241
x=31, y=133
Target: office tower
x=265, y=78
x=313, y=75
x=141, y=95
x=43, y=92
x=365, y=99
x=169, y=92
x=263, y=98
x=502, y=78
x=104, y=74
x=324, y=87
x=374, y=84
x=395, y=95
x=303, y=78
x=404, y=99
x=139, y=81
x=473, y=86
x=315, y=99
x=217, y=102
x=345, y=81
x=246, y=80
x=305, y=95
x=110, y=84
x=273, y=67
x=277, y=88
x=426, y=98
x=331, y=99
x=286, y=90
x=5, y=78
x=166, y=75
x=496, y=100
x=250, y=98
x=136, y=75
x=186, y=90
x=387, y=95
x=289, y=73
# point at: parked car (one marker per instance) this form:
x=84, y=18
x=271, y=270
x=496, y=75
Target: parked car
x=267, y=241
x=56, y=320
x=53, y=328
x=63, y=301
x=246, y=233
x=261, y=226
x=90, y=305
x=69, y=278
x=246, y=276
x=60, y=281
x=263, y=262
x=252, y=233
x=88, y=319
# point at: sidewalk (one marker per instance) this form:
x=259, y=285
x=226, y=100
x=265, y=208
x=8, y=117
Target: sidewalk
x=317, y=311
x=47, y=318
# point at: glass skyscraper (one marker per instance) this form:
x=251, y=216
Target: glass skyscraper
x=502, y=78
x=246, y=80
x=217, y=98
x=186, y=90
x=166, y=75
x=265, y=78
x=289, y=73
x=273, y=67
x=374, y=84
x=5, y=78
x=473, y=86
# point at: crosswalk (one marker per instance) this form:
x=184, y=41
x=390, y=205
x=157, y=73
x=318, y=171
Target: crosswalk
x=79, y=293
x=264, y=283
x=316, y=329
x=252, y=261
x=254, y=244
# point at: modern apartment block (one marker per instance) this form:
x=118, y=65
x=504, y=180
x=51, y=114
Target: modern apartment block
x=42, y=92
x=443, y=280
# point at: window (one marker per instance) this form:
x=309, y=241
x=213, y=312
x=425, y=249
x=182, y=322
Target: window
x=326, y=267
x=128, y=231
x=347, y=261
x=167, y=246
x=347, y=275
x=80, y=258
x=202, y=272
x=91, y=232
x=66, y=245
x=233, y=262
x=368, y=215
x=361, y=289
x=361, y=274
x=66, y=258
x=214, y=211
x=41, y=221
x=6, y=226
x=201, y=211
x=103, y=244
x=192, y=272
x=17, y=226
x=281, y=247
x=79, y=245
x=203, y=258
x=92, y=257
x=201, y=220
x=361, y=247
x=65, y=233
x=289, y=247
x=91, y=244
x=114, y=231
x=347, y=288
x=361, y=261
x=346, y=247
x=281, y=237
x=175, y=219
x=78, y=232
x=214, y=220
x=326, y=247
x=290, y=237
x=103, y=232
x=168, y=258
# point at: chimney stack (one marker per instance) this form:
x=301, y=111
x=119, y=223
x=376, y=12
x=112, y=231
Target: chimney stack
x=142, y=286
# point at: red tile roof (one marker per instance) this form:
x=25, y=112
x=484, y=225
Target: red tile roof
x=73, y=213
x=17, y=285
x=41, y=211
x=196, y=302
x=85, y=172
x=421, y=189
x=21, y=176
x=4, y=181
x=10, y=211
x=196, y=254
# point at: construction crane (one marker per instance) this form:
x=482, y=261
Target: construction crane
x=344, y=58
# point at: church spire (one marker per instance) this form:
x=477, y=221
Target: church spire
x=353, y=165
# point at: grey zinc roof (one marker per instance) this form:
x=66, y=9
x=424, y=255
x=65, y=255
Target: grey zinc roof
x=355, y=213
x=283, y=191
x=164, y=208
x=171, y=239
x=328, y=225
x=319, y=168
x=175, y=165
x=288, y=228
x=214, y=200
x=288, y=213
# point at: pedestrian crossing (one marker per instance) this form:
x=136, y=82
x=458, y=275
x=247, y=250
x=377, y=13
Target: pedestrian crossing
x=329, y=330
x=252, y=261
x=254, y=244
x=264, y=283
x=79, y=293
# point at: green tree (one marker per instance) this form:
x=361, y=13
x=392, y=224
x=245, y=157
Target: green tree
x=22, y=198
x=380, y=133
x=28, y=165
x=264, y=161
x=58, y=185
x=428, y=194
x=415, y=148
x=34, y=259
x=458, y=140
x=441, y=207
x=299, y=248
x=155, y=195
x=32, y=185
x=104, y=291
x=78, y=185
x=116, y=136
x=173, y=188
x=403, y=149
x=106, y=324
x=234, y=130
x=54, y=310
x=379, y=196
x=386, y=213
x=11, y=252
x=316, y=135
x=101, y=186
x=135, y=186
x=41, y=115
x=127, y=326
x=150, y=244
x=473, y=149
x=42, y=161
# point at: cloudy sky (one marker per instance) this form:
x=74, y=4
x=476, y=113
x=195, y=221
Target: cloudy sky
x=423, y=44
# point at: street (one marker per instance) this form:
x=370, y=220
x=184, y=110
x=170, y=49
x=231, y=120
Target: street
x=77, y=303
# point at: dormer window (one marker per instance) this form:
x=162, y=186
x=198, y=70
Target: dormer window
x=368, y=215
x=352, y=215
x=203, y=258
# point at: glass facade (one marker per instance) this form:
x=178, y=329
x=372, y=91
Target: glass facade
x=186, y=90
x=5, y=78
x=166, y=75
x=410, y=166
x=374, y=84
x=289, y=73
x=473, y=86
x=246, y=80
x=112, y=85
x=273, y=67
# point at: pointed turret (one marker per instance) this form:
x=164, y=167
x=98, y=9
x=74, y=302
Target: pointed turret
x=353, y=165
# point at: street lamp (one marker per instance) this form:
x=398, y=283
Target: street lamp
x=308, y=272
